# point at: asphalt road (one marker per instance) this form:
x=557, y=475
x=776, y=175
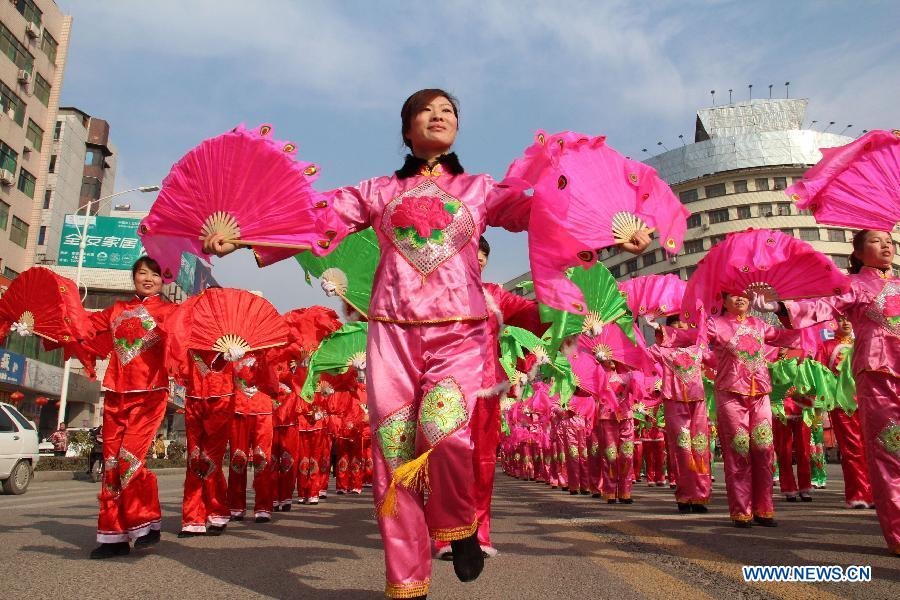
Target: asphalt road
x=552, y=546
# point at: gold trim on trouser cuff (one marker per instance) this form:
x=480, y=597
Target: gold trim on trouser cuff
x=410, y=589
x=742, y=518
x=454, y=533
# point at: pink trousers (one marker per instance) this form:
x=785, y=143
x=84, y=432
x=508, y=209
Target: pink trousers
x=423, y=382
x=687, y=427
x=878, y=395
x=616, y=458
x=575, y=435
x=558, y=450
x=745, y=429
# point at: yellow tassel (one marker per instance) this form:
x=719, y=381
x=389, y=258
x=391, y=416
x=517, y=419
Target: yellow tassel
x=414, y=474
x=388, y=505
x=693, y=464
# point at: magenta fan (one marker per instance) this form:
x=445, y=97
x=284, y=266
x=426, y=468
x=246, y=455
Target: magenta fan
x=587, y=196
x=243, y=184
x=654, y=295
x=857, y=185
x=771, y=263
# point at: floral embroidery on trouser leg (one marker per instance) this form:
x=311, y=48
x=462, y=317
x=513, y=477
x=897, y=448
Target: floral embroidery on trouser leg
x=762, y=435
x=239, y=461
x=131, y=464
x=741, y=442
x=627, y=448
x=684, y=438
x=889, y=437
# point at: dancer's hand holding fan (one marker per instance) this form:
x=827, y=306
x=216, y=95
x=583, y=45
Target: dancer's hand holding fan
x=587, y=196
x=244, y=186
x=856, y=185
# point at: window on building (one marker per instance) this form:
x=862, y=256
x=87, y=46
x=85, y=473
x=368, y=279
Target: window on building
x=796, y=179
x=779, y=183
x=12, y=105
x=15, y=50
x=8, y=158
x=762, y=184
x=29, y=10
x=784, y=209
x=690, y=271
x=90, y=188
x=18, y=233
x=718, y=216
x=42, y=89
x=631, y=266
x=740, y=186
x=692, y=246
x=743, y=212
x=694, y=221
x=842, y=262
x=809, y=234
x=49, y=46
x=715, y=239
x=788, y=231
x=48, y=195
x=93, y=158
x=42, y=235
x=713, y=191
x=616, y=271
x=4, y=215
x=837, y=235
x=52, y=167
x=57, y=131
x=35, y=135
x=27, y=183
x=765, y=210
x=687, y=196
x=650, y=258
x=10, y=274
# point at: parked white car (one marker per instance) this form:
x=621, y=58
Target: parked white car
x=18, y=450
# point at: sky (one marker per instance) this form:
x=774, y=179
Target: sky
x=332, y=76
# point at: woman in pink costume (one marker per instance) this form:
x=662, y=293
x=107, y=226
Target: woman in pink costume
x=685, y=412
x=427, y=343
x=742, y=389
x=873, y=307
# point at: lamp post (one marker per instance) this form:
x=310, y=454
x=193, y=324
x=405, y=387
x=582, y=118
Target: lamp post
x=82, y=244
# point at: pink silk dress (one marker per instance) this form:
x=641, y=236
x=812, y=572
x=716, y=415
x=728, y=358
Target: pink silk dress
x=873, y=307
x=427, y=347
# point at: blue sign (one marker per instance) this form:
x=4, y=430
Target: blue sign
x=12, y=367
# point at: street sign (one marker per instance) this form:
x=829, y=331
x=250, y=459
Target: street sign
x=112, y=242
x=186, y=274
x=12, y=367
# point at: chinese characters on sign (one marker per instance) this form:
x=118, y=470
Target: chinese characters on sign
x=12, y=367
x=111, y=242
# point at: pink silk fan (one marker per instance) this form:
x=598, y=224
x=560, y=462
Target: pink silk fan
x=857, y=185
x=653, y=295
x=587, y=197
x=243, y=184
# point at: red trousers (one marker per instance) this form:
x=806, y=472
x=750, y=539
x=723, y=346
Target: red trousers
x=485, y=428
x=324, y=460
x=367, y=458
x=129, y=500
x=848, y=432
x=350, y=463
x=279, y=477
x=638, y=459
x=309, y=453
x=792, y=439
x=251, y=441
x=654, y=454
x=208, y=423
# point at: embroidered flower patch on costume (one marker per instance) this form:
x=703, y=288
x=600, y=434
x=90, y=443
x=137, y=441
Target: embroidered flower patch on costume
x=397, y=436
x=741, y=442
x=443, y=411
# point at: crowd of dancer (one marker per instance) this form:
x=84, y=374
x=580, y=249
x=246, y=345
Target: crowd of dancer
x=451, y=362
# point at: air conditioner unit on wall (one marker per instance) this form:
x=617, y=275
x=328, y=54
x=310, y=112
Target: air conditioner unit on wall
x=7, y=177
x=32, y=30
x=24, y=77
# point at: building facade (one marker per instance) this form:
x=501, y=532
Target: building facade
x=732, y=178
x=34, y=39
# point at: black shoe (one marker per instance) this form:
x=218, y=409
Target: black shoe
x=699, y=508
x=765, y=521
x=341, y=492
x=148, y=539
x=110, y=550
x=610, y=500
x=742, y=524
x=468, y=561
x=805, y=498
x=263, y=519
x=190, y=534
x=238, y=518
x=791, y=498
x=584, y=492
x=596, y=495
x=564, y=488
x=215, y=530
x=285, y=508
x=684, y=508
x=626, y=501
x=573, y=492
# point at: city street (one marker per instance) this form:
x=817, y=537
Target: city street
x=552, y=546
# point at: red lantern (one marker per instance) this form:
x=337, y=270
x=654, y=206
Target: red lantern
x=16, y=396
x=41, y=401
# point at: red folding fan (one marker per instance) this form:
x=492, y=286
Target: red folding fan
x=309, y=326
x=40, y=302
x=245, y=185
x=223, y=319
